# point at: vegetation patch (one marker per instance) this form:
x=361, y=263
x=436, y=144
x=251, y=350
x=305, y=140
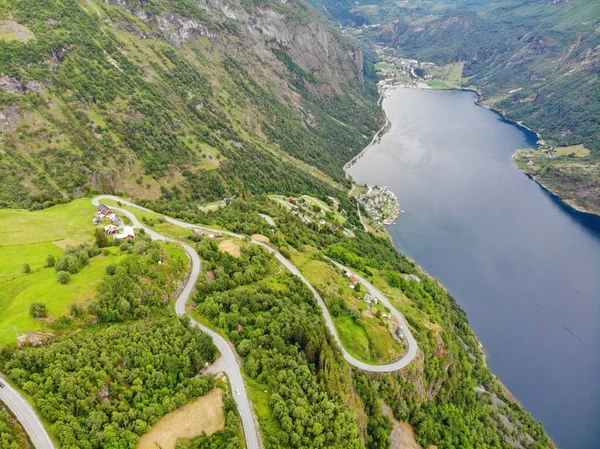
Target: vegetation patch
x=104, y=387
x=577, y=150
x=362, y=328
x=12, y=433
x=448, y=76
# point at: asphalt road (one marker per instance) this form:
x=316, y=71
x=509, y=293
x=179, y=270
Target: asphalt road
x=394, y=366
x=26, y=416
x=228, y=356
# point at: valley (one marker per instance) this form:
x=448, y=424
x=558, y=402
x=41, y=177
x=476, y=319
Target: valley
x=180, y=238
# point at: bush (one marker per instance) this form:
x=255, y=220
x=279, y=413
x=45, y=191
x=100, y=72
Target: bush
x=83, y=257
x=50, y=261
x=63, y=277
x=140, y=247
x=285, y=251
x=26, y=268
x=77, y=310
x=154, y=254
x=68, y=263
x=101, y=238
x=38, y=310
x=111, y=269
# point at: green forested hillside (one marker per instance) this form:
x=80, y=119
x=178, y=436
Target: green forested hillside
x=176, y=98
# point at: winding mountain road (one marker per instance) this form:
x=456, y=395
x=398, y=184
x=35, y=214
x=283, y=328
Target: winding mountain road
x=227, y=353
x=393, y=366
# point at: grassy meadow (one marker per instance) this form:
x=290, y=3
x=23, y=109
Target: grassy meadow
x=28, y=238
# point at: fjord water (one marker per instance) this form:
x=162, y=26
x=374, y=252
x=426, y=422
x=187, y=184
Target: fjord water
x=524, y=266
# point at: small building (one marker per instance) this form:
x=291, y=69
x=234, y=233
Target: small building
x=127, y=233
x=116, y=220
x=111, y=229
x=353, y=278
x=104, y=210
x=218, y=235
x=369, y=299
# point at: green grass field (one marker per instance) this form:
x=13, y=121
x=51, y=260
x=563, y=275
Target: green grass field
x=381, y=65
x=18, y=226
x=29, y=237
x=446, y=77
x=577, y=150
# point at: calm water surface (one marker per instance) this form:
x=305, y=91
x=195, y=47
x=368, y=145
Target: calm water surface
x=525, y=267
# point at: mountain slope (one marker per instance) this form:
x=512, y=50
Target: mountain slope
x=176, y=98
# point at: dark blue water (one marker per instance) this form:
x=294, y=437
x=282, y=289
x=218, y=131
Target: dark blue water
x=524, y=266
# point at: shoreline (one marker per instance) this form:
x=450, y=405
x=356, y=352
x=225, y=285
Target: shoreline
x=482, y=349
x=575, y=207
x=503, y=115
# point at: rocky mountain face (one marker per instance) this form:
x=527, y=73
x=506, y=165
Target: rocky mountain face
x=177, y=98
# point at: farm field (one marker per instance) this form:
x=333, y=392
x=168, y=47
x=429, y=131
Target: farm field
x=28, y=238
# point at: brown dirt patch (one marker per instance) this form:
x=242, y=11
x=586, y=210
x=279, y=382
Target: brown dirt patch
x=261, y=238
x=204, y=415
x=403, y=435
x=74, y=241
x=12, y=31
x=229, y=246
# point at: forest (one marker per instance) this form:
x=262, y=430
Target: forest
x=105, y=386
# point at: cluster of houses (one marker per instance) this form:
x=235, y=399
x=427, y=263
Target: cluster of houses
x=116, y=221
x=303, y=210
x=369, y=299
x=381, y=204
x=210, y=235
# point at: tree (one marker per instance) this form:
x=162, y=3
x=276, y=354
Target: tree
x=83, y=257
x=101, y=238
x=50, y=261
x=63, y=277
x=68, y=263
x=38, y=310
x=111, y=269
x=26, y=268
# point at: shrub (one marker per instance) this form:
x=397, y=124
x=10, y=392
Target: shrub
x=38, y=310
x=26, y=268
x=83, y=257
x=111, y=269
x=154, y=254
x=77, y=310
x=68, y=263
x=63, y=277
x=140, y=247
x=101, y=238
x=50, y=260
x=285, y=251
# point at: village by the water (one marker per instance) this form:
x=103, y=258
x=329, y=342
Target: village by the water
x=381, y=204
